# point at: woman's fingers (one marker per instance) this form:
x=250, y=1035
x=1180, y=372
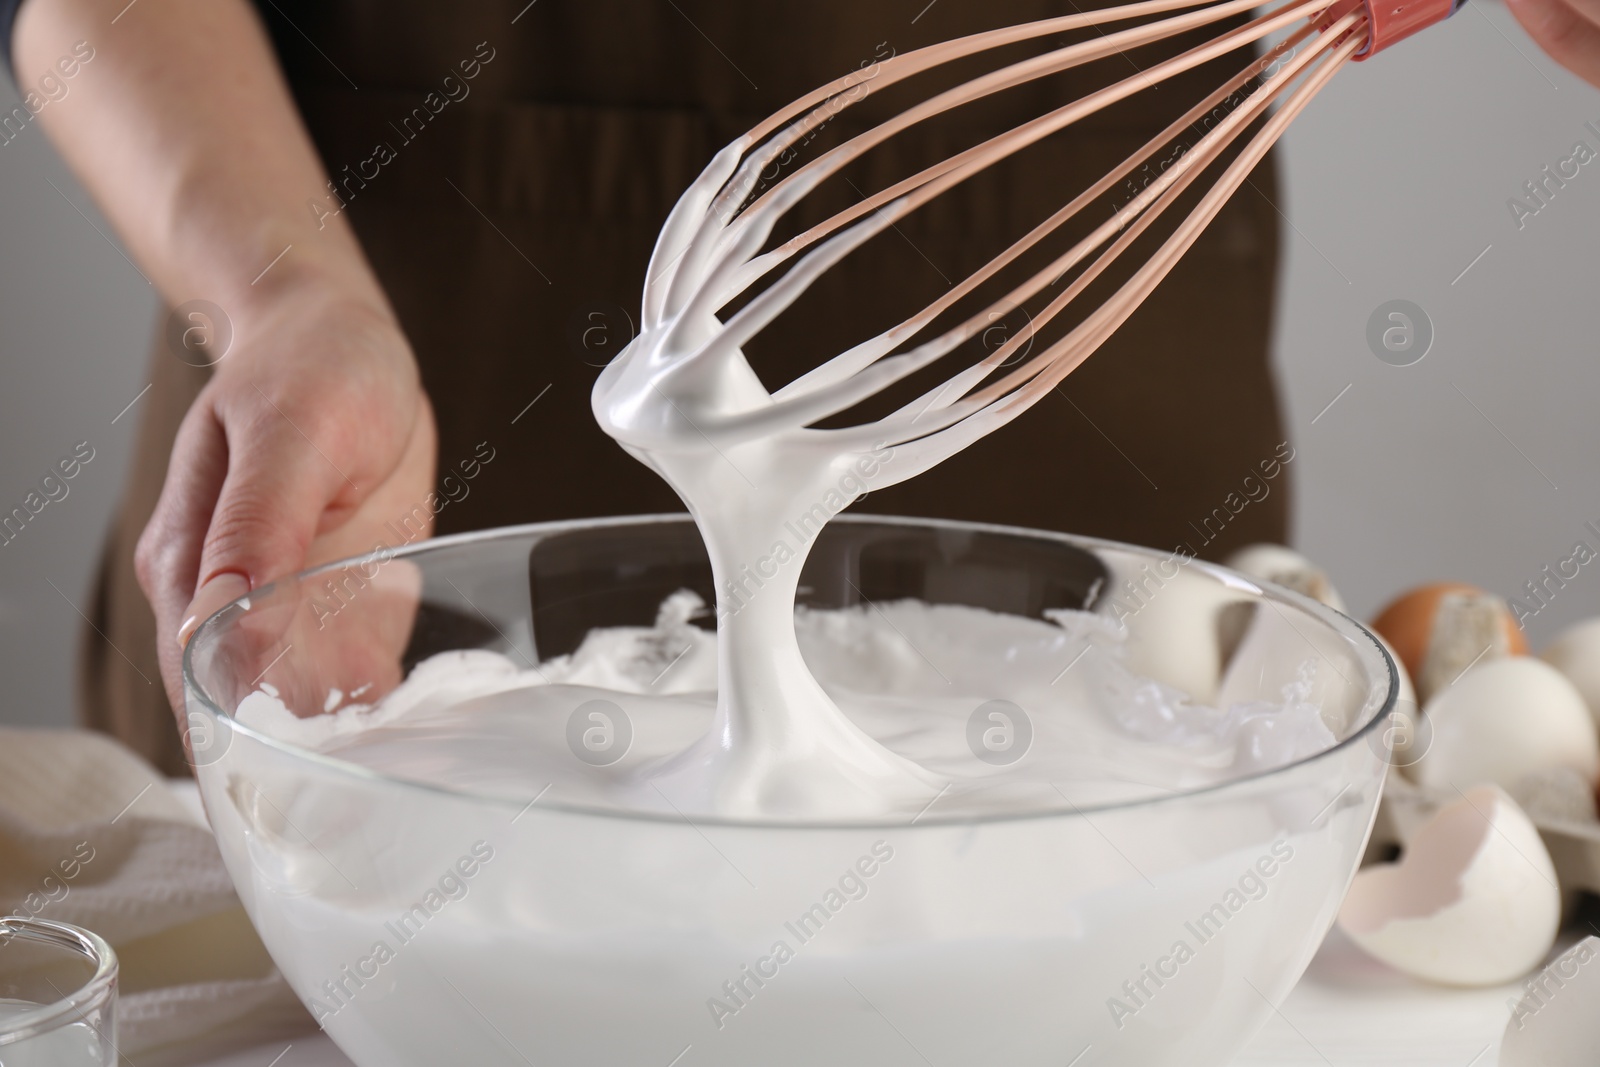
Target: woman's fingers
x=1588, y=9
x=294, y=453
x=167, y=557
x=1569, y=30
x=280, y=482
x=242, y=500
x=391, y=511
x=344, y=631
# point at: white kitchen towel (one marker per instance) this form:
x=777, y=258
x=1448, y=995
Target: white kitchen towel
x=90, y=834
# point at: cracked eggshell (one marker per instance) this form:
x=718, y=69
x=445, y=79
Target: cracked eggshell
x=1440, y=630
x=1557, y=1021
x=1270, y=658
x=1472, y=901
x=1407, y=693
x=1503, y=720
x=1286, y=567
x=1576, y=654
x=1406, y=735
x=1183, y=617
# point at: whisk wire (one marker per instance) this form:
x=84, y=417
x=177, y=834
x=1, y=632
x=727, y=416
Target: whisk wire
x=856, y=358
x=710, y=250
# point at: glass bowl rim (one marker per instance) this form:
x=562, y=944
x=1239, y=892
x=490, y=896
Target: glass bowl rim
x=98, y=989
x=1334, y=619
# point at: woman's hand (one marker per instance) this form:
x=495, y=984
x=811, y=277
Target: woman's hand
x=312, y=434
x=1567, y=29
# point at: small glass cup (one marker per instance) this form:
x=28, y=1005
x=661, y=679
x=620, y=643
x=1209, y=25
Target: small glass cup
x=58, y=996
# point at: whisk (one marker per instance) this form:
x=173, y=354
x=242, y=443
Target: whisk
x=760, y=476
x=708, y=253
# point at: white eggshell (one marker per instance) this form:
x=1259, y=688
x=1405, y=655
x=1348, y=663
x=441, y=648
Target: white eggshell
x=1174, y=625
x=1285, y=566
x=1504, y=719
x=1576, y=654
x=1403, y=730
x=1557, y=1021
x=1473, y=900
x=1278, y=655
x=1408, y=691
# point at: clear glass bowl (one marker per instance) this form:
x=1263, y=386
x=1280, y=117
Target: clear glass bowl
x=425, y=925
x=58, y=995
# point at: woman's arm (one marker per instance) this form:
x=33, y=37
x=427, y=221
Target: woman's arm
x=182, y=128
x=314, y=428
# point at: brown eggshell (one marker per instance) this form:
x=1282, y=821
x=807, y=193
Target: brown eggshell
x=1437, y=630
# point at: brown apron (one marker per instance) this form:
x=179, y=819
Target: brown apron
x=512, y=228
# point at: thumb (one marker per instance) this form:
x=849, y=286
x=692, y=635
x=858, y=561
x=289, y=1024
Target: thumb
x=277, y=489
x=1567, y=31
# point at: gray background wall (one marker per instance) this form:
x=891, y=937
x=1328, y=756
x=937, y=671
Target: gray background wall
x=1481, y=462
x=75, y=323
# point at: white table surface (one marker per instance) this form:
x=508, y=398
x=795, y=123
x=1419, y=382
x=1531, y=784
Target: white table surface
x=1347, y=1010
x=1351, y=1009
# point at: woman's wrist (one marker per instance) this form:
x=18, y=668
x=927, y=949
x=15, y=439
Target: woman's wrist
x=252, y=267
x=310, y=287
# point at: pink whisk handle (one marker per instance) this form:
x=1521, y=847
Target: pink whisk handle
x=1389, y=21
